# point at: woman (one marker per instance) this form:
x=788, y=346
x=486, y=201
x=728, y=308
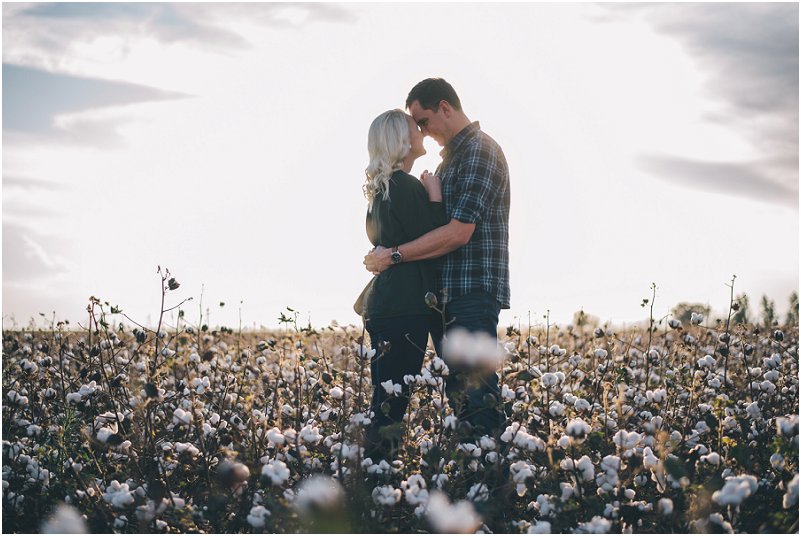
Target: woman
x=400, y=209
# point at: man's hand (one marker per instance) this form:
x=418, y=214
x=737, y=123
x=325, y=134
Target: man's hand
x=378, y=260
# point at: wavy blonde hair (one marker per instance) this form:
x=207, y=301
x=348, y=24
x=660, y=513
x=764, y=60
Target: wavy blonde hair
x=388, y=143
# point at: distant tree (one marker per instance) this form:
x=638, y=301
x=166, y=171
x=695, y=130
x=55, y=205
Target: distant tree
x=792, y=314
x=740, y=307
x=683, y=311
x=768, y=311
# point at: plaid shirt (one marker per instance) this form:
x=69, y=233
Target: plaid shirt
x=475, y=189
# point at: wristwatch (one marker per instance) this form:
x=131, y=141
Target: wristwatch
x=397, y=257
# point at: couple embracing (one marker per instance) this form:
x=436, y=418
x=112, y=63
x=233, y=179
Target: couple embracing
x=446, y=233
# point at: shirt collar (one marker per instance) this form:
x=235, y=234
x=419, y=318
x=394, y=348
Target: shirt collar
x=452, y=146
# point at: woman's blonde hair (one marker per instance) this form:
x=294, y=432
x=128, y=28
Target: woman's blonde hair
x=388, y=143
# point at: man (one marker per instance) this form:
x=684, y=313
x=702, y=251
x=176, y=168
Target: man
x=472, y=250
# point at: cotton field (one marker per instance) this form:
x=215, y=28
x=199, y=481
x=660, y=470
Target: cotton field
x=684, y=428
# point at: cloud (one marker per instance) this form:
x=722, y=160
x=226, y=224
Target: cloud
x=29, y=256
x=749, y=55
x=29, y=184
x=44, y=34
x=33, y=100
x=746, y=180
x=168, y=23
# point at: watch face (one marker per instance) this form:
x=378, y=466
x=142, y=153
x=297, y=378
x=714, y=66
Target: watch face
x=396, y=257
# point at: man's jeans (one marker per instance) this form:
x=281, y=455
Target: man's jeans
x=474, y=397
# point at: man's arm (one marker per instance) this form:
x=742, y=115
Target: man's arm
x=435, y=243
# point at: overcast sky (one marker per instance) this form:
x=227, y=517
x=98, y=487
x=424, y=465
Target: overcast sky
x=227, y=142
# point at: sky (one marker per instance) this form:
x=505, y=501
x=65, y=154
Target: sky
x=647, y=143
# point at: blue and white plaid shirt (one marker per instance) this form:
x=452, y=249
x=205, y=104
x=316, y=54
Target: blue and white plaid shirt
x=475, y=189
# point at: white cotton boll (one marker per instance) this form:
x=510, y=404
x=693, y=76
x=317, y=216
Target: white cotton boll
x=257, y=517
x=563, y=442
x=476, y=350
x=414, y=490
x=188, y=448
x=649, y=459
x=753, y=411
x=713, y=458
x=336, y=393
x=696, y=318
x=771, y=375
x=459, y=518
x=626, y=440
x=790, y=499
x=386, y=495
x=665, y=506
x=310, y=434
x=597, y=525
x=587, y=469
x=118, y=495
x=787, y=426
x=774, y=361
x=365, y=352
x=478, y=493
x=549, y=379
x=556, y=409
x=735, y=490
x=581, y=405
x=567, y=490
x=767, y=387
x=16, y=398
x=707, y=362
x=540, y=527
x=392, y=389
x=450, y=422
x=318, y=493
x=577, y=428
x=487, y=443
x=777, y=461
x=65, y=520
x=629, y=493
x=181, y=417
x=104, y=433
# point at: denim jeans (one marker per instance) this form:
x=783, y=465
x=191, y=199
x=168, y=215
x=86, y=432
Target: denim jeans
x=407, y=337
x=474, y=397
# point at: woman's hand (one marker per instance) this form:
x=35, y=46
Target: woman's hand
x=433, y=186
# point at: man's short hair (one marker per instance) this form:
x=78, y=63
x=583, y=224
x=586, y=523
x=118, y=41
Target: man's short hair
x=431, y=91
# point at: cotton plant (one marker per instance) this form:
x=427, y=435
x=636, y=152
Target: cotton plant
x=583, y=421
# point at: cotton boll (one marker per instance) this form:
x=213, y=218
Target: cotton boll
x=790, y=499
x=665, y=506
x=257, y=517
x=597, y=525
x=386, y=495
x=319, y=493
x=475, y=351
x=457, y=518
x=65, y=520
x=735, y=490
x=540, y=527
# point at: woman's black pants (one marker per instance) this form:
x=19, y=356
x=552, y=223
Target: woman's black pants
x=407, y=337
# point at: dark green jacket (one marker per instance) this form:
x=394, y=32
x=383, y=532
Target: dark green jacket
x=405, y=216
